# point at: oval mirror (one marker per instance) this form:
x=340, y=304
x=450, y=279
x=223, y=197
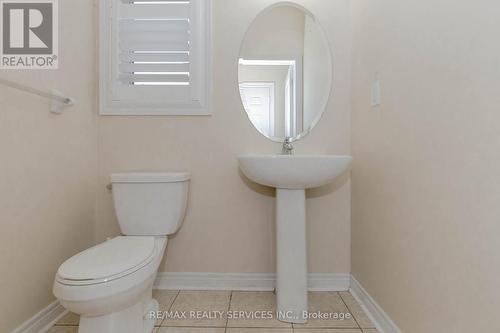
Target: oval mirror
x=285, y=72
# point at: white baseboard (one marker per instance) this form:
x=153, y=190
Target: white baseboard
x=329, y=281
x=382, y=321
x=43, y=320
x=245, y=281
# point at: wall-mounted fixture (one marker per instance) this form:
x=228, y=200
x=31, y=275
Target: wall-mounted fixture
x=58, y=102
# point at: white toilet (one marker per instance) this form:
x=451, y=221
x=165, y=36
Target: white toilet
x=110, y=285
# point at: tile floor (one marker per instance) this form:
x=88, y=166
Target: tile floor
x=231, y=302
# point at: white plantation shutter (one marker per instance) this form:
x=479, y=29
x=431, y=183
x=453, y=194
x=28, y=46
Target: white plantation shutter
x=155, y=57
x=154, y=38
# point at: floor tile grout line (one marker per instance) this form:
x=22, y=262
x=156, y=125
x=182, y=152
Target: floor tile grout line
x=169, y=308
x=65, y=325
x=269, y=327
x=173, y=301
x=336, y=328
x=194, y=326
x=316, y=328
x=352, y=313
x=321, y=329
x=348, y=309
x=265, y=327
x=228, y=309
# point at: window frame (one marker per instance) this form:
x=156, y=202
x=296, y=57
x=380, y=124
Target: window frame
x=201, y=68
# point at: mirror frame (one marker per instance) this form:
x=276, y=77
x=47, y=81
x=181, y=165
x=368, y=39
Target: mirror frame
x=326, y=100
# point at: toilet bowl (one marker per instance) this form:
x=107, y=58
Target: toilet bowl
x=110, y=285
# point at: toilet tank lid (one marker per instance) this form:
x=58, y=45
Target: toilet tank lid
x=150, y=177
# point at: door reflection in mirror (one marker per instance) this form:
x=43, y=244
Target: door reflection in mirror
x=258, y=100
x=276, y=83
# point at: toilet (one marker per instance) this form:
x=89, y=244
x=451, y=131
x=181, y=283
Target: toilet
x=110, y=285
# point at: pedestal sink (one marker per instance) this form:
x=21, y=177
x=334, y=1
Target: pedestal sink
x=291, y=175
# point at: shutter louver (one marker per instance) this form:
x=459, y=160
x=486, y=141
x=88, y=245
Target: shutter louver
x=154, y=42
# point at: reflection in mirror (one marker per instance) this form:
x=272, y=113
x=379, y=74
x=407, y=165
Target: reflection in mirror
x=284, y=72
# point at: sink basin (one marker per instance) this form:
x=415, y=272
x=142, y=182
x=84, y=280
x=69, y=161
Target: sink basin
x=292, y=175
x=293, y=171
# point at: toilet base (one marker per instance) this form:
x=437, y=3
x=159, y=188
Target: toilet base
x=130, y=320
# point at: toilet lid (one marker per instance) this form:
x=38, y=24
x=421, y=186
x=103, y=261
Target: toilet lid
x=108, y=259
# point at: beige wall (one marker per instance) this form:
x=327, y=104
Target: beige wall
x=47, y=170
x=230, y=221
x=426, y=181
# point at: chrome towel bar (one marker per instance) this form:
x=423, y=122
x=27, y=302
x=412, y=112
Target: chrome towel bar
x=58, y=101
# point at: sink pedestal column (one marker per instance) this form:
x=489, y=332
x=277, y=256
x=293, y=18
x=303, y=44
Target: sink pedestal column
x=291, y=255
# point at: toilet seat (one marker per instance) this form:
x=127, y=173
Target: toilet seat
x=108, y=261
x=93, y=297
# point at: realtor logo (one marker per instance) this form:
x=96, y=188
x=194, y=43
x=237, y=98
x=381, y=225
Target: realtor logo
x=29, y=34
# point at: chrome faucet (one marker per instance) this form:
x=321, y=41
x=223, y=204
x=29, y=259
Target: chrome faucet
x=287, y=147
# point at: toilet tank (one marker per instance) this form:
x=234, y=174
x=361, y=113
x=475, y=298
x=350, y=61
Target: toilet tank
x=150, y=204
